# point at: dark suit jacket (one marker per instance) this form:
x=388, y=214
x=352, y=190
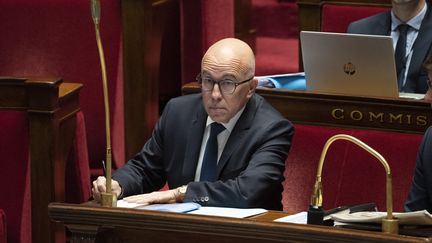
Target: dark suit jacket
x=380, y=24
x=420, y=196
x=250, y=169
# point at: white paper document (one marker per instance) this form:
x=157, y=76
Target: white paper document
x=298, y=218
x=229, y=212
x=411, y=96
x=410, y=218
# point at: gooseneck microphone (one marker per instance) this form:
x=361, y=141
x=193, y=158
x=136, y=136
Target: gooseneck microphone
x=95, y=11
x=108, y=198
x=315, y=213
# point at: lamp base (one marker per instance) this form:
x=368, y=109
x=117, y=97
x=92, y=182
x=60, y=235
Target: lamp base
x=315, y=215
x=390, y=226
x=108, y=200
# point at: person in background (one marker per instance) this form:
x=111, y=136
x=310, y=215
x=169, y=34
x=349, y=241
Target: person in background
x=246, y=167
x=427, y=66
x=420, y=195
x=414, y=18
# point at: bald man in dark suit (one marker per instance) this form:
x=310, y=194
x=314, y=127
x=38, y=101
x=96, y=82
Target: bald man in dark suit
x=252, y=145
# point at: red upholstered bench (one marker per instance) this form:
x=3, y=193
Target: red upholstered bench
x=3, y=235
x=350, y=175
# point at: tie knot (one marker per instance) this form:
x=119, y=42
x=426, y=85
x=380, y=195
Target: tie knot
x=403, y=29
x=216, y=128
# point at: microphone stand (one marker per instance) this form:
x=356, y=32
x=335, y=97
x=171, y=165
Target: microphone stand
x=315, y=215
x=108, y=198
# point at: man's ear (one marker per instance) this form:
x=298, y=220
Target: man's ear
x=252, y=86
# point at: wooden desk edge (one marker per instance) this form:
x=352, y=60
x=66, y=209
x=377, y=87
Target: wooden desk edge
x=256, y=228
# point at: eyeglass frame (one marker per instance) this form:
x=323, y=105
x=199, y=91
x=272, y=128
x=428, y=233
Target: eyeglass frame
x=199, y=79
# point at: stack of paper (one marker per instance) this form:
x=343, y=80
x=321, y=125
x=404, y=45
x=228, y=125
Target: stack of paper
x=411, y=218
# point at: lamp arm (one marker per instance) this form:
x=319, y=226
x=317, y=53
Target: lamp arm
x=316, y=199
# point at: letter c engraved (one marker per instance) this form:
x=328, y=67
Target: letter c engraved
x=338, y=114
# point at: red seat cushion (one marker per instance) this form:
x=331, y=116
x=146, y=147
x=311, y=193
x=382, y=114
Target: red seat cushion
x=336, y=18
x=350, y=175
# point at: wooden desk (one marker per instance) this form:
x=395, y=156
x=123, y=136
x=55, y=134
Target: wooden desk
x=402, y=115
x=87, y=222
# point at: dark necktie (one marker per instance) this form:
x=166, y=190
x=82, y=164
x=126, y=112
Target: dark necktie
x=209, y=164
x=400, y=52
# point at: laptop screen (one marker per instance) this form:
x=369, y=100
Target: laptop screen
x=350, y=64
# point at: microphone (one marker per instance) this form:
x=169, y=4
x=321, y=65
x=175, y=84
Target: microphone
x=95, y=10
x=108, y=199
x=315, y=213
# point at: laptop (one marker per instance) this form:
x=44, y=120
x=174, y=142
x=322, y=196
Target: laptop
x=350, y=64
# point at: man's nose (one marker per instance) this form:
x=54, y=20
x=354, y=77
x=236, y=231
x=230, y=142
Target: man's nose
x=216, y=92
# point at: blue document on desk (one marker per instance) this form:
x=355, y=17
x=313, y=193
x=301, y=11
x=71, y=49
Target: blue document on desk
x=291, y=81
x=171, y=207
x=229, y=212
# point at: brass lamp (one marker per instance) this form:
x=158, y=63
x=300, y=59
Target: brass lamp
x=315, y=214
x=108, y=199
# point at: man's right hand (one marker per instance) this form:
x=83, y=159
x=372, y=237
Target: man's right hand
x=99, y=186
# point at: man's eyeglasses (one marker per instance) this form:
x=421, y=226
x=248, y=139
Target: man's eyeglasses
x=226, y=86
x=429, y=83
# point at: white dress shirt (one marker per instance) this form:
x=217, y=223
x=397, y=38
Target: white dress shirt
x=412, y=34
x=222, y=139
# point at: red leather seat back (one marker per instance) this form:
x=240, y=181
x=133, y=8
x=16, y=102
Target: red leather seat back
x=56, y=38
x=336, y=18
x=350, y=175
x=202, y=23
x=78, y=184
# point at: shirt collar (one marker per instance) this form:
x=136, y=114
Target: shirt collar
x=414, y=22
x=231, y=123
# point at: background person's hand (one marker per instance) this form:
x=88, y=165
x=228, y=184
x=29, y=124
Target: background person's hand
x=99, y=186
x=428, y=96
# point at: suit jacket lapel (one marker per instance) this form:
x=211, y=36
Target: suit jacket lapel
x=236, y=137
x=193, y=146
x=422, y=44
